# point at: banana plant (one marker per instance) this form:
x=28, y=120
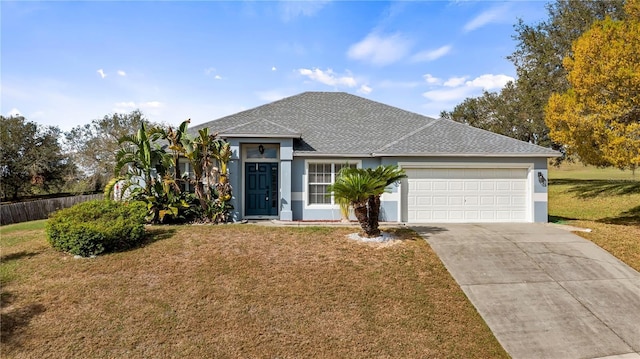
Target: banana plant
x=140, y=156
x=174, y=137
x=165, y=202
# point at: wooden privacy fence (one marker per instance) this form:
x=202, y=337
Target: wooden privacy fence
x=39, y=209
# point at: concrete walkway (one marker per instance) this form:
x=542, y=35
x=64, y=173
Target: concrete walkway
x=543, y=291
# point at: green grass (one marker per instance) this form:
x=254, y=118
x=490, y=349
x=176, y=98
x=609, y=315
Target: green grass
x=13, y=234
x=580, y=171
x=25, y=226
x=604, y=200
x=239, y=291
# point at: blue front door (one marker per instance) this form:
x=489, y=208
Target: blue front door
x=261, y=189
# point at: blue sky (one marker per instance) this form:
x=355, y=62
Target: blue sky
x=68, y=63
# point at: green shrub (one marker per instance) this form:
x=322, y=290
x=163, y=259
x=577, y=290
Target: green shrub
x=95, y=227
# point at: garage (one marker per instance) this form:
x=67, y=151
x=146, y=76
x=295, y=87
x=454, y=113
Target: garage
x=446, y=195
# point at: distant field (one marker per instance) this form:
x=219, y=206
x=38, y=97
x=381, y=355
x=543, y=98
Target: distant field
x=604, y=200
x=580, y=171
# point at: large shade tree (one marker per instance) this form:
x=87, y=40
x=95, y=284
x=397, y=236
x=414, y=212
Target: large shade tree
x=93, y=145
x=362, y=188
x=518, y=109
x=598, y=117
x=508, y=113
x=31, y=158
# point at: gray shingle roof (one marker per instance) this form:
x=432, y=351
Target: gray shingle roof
x=260, y=127
x=337, y=123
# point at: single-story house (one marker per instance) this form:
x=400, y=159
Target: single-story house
x=287, y=152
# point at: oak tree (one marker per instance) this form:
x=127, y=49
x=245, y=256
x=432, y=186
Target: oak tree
x=518, y=110
x=94, y=145
x=31, y=158
x=598, y=117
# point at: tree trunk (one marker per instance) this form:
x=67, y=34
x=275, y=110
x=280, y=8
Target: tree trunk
x=374, y=212
x=360, y=210
x=201, y=196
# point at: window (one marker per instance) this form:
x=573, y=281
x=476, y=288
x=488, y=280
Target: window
x=320, y=176
x=255, y=151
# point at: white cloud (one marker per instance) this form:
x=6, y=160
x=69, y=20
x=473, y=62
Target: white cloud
x=495, y=14
x=449, y=94
x=14, y=112
x=122, y=73
x=364, y=89
x=293, y=9
x=490, y=82
x=101, y=73
x=129, y=104
x=211, y=71
x=430, y=79
x=273, y=68
x=151, y=104
x=380, y=50
x=455, y=89
x=431, y=55
x=329, y=77
x=455, y=81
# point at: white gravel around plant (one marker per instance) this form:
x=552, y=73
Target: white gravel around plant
x=383, y=238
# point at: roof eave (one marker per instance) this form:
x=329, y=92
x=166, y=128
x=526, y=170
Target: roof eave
x=259, y=135
x=489, y=155
x=324, y=154
x=517, y=155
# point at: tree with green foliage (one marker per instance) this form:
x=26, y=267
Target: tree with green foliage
x=518, y=110
x=31, y=158
x=363, y=188
x=506, y=113
x=598, y=117
x=93, y=145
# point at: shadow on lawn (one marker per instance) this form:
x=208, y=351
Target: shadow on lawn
x=560, y=219
x=158, y=233
x=17, y=255
x=595, y=188
x=14, y=319
x=426, y=231
x=627, y=218
x=152, y=234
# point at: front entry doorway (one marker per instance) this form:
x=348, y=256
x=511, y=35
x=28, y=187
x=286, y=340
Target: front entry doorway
x=261, y=189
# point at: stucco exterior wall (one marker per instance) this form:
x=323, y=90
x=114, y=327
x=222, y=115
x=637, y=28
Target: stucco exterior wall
x=391, y=205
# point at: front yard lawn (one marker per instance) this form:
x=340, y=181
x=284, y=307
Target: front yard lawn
x=604, y=200
x=237, y=291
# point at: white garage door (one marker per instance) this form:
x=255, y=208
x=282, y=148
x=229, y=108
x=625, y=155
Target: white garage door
x=467, y=195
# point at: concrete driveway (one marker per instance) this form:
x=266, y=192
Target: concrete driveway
x=543, y=291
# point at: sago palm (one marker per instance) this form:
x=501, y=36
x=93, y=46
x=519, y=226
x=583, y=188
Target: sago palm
x=363, y=188
x=356, y=185
x=390, y=174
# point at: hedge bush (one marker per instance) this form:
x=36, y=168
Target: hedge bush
x=95, y=227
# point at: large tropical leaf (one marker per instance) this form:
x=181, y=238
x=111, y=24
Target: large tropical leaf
x=390, y=173
x=356, y=185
